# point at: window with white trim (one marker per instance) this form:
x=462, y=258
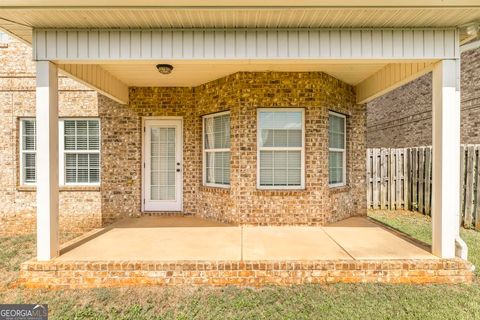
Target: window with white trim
x=80, y=151
x=216, y=149
x=336, y=149
x=28, y=151
x=281, y=148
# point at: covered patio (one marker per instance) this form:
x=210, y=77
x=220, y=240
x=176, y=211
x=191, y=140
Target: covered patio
x=225, y=63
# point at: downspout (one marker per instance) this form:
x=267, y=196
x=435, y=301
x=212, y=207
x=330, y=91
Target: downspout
x=461, y=248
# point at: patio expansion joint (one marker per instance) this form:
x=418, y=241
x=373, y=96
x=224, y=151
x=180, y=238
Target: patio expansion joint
x=338, y=244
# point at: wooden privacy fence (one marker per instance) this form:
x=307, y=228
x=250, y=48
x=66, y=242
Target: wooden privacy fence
x=402, y=179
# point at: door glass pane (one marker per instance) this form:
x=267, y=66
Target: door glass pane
x=162, y=159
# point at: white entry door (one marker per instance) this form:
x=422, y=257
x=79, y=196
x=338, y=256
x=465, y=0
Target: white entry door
x=163, y=176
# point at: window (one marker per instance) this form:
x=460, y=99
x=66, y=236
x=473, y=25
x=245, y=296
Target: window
x=281, y=149
x=28, y=153
x=80, y=151
x=216, y=149
x=4, y=39
x=336, y=148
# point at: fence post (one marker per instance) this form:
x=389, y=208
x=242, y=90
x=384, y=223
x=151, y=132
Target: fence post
x=406, y=178
x=375, y=179
x=421, y=177
x=384, y=179
x=369, y=179
x=428, y=179
x=414, y=178
x=462, y=183
x=468, y=217
x=477, y=198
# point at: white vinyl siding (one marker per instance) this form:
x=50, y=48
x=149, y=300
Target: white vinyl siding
x=249, y=43
x=281, y=148
x=28, y=153
x=80, y=151
x=337, y=150
x=216, y=150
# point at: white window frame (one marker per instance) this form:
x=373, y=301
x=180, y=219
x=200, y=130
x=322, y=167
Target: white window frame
x=204, y=151
x=344, y=150
x=301, y=149
x=62, y=152
x=22, y=158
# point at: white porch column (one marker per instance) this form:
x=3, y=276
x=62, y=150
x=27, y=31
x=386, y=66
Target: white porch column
x=47, y=161
x=446, y=158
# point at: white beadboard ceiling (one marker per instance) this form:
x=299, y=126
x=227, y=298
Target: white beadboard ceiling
x=20, y=20
x=191, y=74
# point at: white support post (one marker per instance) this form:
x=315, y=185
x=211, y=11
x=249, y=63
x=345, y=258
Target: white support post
x=446, y=158
x=47, y=161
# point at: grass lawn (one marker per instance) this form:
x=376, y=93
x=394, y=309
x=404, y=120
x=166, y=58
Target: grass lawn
x=340, y=301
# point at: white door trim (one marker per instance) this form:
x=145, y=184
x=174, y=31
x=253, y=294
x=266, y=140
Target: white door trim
x=145, y=166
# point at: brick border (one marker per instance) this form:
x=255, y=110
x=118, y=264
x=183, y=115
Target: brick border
x=85, y=274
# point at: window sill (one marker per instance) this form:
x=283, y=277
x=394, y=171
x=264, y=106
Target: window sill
x=280, y=192
x=61, y=189
x=338, y=189
x=220, y=190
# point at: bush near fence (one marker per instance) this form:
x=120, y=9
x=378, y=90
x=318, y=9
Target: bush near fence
x=402, y=179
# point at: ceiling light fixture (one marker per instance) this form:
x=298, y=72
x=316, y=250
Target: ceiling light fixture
x=164, y=68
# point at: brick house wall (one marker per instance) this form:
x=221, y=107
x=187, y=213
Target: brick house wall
x=80, y=209
x=403, y=117
x=83, y=208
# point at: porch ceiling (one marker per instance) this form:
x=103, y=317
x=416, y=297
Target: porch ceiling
x=194, y=73
x=19, y=17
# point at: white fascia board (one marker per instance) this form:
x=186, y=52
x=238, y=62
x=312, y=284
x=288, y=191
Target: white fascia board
x=104, y=45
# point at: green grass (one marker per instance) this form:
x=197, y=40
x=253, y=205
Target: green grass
x=419, y=227
x=341, y=301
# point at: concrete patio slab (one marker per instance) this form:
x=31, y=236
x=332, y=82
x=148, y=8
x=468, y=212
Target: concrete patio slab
x=177, y=238
x=364, y=239
x=161, y=244
x=290, y=243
